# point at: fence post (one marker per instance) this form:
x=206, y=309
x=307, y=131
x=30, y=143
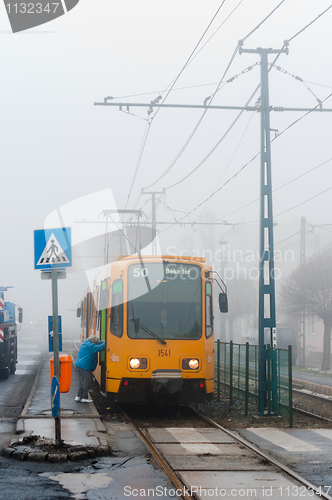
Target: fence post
x=290, y=387
x=268, y=379
x=218, y=370
x=247, y=380
x=231, y=372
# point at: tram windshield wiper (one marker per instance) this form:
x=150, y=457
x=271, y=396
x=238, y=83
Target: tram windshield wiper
x=139, y=325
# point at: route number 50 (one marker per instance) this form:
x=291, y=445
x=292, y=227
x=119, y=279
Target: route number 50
x=138, y=271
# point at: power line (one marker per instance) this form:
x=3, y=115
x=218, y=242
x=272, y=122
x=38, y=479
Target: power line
x=229, y=15
x=288, y=238
x=240, y=113
x=292, y=208
x=172, y=85
x=145, y=137
x=210, y=98
x=196, y=126
x=226, y=133
x=191, y=55
x=271, y=66
x=303, y=116
x=254, y=157
x=260, y=24
x=298, y=78
x=307, y=26
x=237, y=147
x=303, y=202
x=214, y=148
x=153, y=92
x=244, y=166
x=276, y=189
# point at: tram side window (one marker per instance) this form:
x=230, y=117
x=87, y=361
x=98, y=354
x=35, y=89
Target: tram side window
x=82, y=312
x=116, y=323
x=91, y=310
x=87, y=315
x=208, y=310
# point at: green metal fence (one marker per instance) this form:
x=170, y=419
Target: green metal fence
x=236, y=374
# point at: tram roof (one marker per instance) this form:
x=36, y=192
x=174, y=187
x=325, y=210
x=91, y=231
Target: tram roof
x=164, y=257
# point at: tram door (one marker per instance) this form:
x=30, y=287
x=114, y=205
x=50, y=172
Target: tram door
x=102, y=318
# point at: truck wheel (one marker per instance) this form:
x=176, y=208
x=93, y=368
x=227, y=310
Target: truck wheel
x=13, y=366
x=14, y=358
x=5, y=373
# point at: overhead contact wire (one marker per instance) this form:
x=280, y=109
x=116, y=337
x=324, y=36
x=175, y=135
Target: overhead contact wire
x=210, y=101
x=174, y=82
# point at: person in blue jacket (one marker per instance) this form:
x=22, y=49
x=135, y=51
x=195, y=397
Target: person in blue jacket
x=86, y=362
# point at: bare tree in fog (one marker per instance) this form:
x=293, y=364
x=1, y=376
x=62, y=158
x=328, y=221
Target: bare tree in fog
x=310, y=287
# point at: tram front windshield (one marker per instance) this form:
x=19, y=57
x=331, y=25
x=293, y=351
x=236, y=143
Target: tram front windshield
x=166, y=299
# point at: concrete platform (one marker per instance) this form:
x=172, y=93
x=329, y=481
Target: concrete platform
x=39, y=401
x=80, y=423
x=78, y=431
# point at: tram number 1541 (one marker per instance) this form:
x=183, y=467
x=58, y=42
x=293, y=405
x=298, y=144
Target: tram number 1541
x=164, y=352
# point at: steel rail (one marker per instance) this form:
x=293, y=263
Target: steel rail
x=278, y=464
x=314, y=415
x=308, y=413
x=169, y=471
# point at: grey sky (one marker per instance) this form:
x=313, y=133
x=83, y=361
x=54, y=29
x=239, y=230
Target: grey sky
x=56, y=146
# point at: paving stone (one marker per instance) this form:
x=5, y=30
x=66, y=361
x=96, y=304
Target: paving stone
x=37, y=456
x=7, y=452
x=19, y=455
x=56, y=458
x=78, y=455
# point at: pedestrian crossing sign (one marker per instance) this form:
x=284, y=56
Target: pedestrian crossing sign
x=52, y=248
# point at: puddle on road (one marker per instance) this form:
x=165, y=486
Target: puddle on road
x=78, y=484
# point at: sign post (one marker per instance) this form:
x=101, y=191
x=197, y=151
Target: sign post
x=53, y=251
x=50, y=331
x=56, y=349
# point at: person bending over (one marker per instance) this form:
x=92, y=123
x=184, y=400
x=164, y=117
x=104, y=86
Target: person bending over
x=86, y=362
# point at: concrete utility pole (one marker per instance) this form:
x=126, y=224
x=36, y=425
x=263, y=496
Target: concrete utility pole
x=267, y=314
x=267, y=307
x=302, y=315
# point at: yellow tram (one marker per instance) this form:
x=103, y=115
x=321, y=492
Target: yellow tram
x=156, y=316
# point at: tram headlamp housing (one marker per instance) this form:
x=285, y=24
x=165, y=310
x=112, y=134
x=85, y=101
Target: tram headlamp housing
x=190, y=364
x=138, y=363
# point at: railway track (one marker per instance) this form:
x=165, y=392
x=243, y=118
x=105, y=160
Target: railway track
x=194, y=450
x=313, y=405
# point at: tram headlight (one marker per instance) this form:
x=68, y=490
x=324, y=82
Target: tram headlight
x=193, y=364
x=138, y=363
x=190, y=364
x=134, y=363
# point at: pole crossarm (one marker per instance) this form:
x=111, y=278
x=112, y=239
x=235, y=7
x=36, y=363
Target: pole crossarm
x=280, y=109
x=134, y=223
x=189, y=223
x=138, y=213
x=129, y=105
